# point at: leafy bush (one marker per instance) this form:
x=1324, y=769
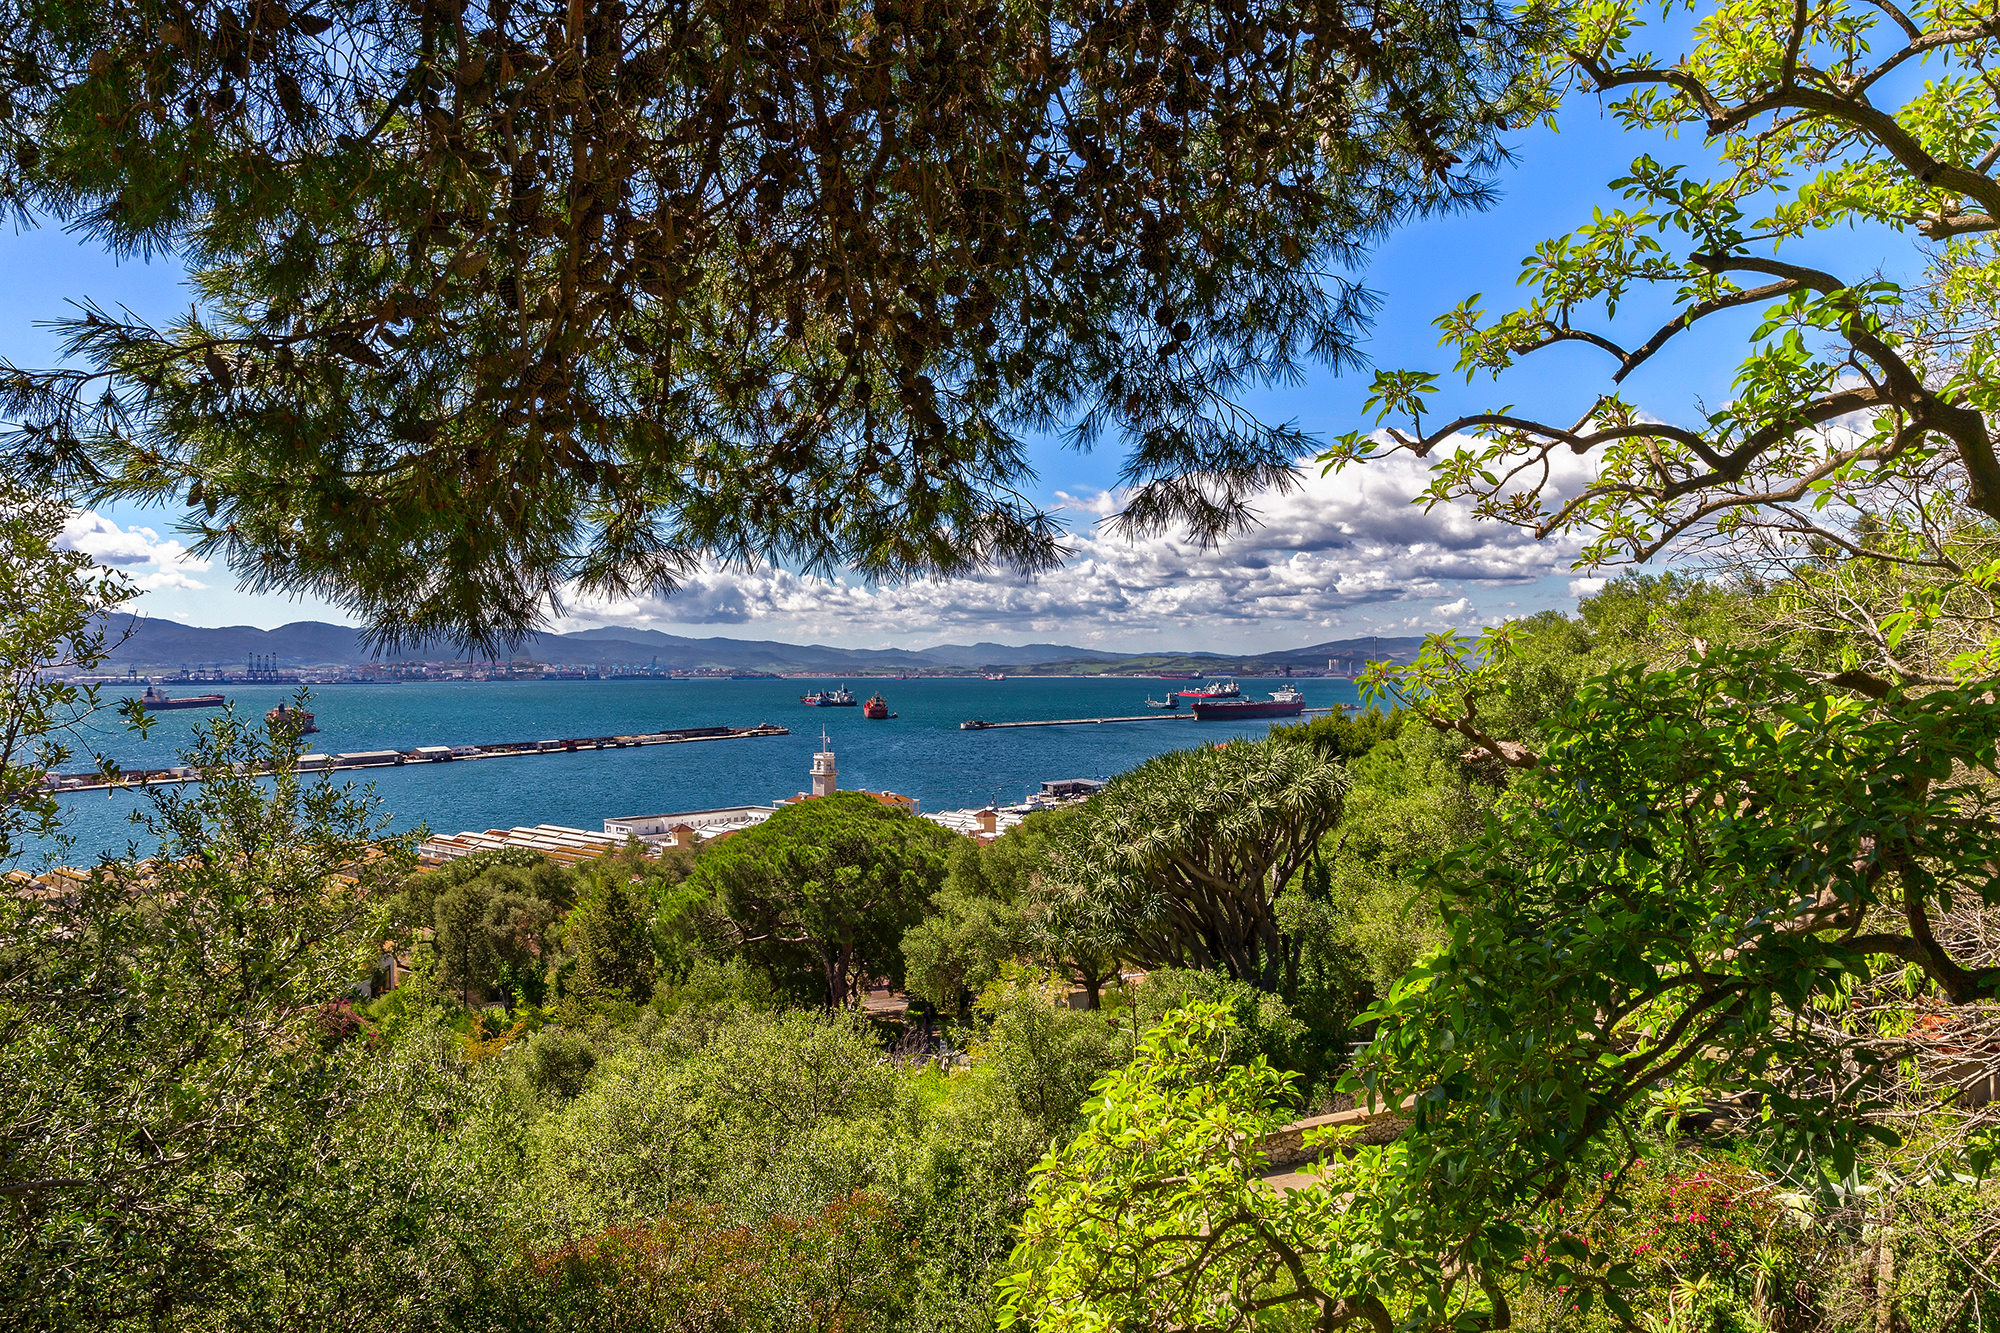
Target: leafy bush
x=558, y=1063
x=691, y=1270
x=1046, y=1054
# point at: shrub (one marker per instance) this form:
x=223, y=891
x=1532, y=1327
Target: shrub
x=690, y=1271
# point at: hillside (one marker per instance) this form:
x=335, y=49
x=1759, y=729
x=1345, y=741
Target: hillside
x=152, y=644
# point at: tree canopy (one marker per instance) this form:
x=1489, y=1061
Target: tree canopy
x=499, y=298
x=1189, y=852
x=171, y=1060
x=822, y=892
x=54, y=606
x=1856, y=430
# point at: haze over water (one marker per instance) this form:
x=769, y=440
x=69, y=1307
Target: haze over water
x=921, y=752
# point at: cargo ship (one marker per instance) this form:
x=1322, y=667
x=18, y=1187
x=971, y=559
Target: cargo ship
x=1287, y=702
x=296, y=720
x=877, y=708
x=1215, y=689
x=837, y=698
x=157, y=701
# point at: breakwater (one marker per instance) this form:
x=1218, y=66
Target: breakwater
x=1164, y=715
x=427, y=754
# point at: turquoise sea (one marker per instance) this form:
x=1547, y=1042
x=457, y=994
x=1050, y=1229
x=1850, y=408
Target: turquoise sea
x=921, y=752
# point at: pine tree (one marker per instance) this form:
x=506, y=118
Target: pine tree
x=610, y=933
x=505, y=297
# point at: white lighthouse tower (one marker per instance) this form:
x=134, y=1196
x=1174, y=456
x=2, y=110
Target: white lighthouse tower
x=825, y=775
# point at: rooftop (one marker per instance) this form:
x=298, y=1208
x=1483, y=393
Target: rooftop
x=556, y=841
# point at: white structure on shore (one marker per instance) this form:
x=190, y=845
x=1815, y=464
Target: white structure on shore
x=561, y=844
x=979, y=825
x=686, y=827
x=987, y=823
x=826, y=777
x=682, y=828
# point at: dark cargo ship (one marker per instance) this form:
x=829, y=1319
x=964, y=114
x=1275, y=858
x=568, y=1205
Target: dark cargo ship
x=157, y=701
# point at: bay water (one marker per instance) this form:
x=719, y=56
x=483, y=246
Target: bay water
x=921, y=752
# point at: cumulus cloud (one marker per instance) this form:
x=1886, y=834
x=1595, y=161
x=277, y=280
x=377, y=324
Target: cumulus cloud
x=167, y=578
x=1586, y=586
x=125, y=548
x=1347, y=543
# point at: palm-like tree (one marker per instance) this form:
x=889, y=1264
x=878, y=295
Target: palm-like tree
x=1191, y=850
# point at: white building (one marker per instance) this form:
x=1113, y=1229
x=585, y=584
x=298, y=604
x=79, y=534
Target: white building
x=681, y=828
x=981, y=825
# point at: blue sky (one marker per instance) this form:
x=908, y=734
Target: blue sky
x=1346, y=557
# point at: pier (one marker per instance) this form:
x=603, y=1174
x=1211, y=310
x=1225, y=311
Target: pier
x=1164, y=715
x=429, y=754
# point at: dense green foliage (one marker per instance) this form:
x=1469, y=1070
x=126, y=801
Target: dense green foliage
x=1192, y=850
x=52, y=622
x=821, y=893
x=1657, y=942
x=173, y=1049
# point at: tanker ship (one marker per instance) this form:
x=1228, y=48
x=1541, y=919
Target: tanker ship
x=1287, y=702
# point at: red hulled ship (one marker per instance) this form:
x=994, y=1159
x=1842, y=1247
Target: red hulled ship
x=1287, y=702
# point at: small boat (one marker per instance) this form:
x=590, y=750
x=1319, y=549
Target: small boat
x=1287, y=702
x=1215, y=689
x=1171, y=701
x=1001, y=676
x=157, y=701
x=974, y=726
x=877, y=708
x=837, y=698
x=296, y=720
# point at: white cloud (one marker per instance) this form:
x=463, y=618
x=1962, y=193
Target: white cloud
x=124, y=548
x=167, y=578
x=1586, y=586
x=1337, y=545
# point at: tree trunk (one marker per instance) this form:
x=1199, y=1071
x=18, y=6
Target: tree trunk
x=1885, y=1283
x=838, y=979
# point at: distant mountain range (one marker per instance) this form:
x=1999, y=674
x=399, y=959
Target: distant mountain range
x=168, y=645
